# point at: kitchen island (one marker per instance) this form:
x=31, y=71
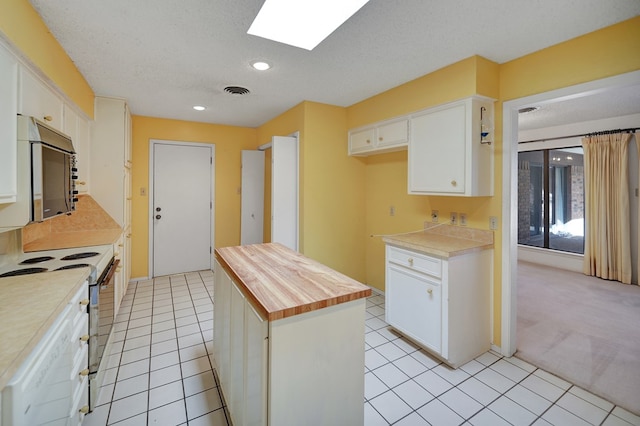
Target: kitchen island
x=288, y=338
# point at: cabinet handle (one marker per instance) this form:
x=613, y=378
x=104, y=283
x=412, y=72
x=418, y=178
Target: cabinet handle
x=411, y=261
x=120, y=245
x=81, y=182
x=119, y=268
x=380, y=138
x=84, y=338
x=454, y=183
x=430, y=291
x=48, y=118
x=128, y=235
x=84, y=409
x=84, y=372
x=84, y=302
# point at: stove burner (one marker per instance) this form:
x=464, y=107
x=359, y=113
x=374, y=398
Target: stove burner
x=36, y=260
x=74, y=266
x=77, y=256
x=23, y=272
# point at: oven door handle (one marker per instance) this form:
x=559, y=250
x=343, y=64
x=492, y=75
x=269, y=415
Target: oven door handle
x=112, y=270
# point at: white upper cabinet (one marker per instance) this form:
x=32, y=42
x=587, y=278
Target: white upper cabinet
x=39, y=101
x=385, y=136
x=8, y=127
x=77, y=128
x=110, y=158
x=446, y=155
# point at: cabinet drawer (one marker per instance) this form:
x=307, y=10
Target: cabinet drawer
x=415, y=261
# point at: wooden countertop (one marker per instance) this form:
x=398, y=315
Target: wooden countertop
x=443, y=240
x=30, y=304
x=282, y=283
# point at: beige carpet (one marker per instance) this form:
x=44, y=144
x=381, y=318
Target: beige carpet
x=583, y=329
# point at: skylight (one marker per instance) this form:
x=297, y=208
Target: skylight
x=300, y=23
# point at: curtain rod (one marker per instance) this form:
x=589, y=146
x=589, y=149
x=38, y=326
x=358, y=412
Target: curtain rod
x=629, y=130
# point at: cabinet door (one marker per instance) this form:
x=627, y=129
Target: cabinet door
x=437, y=151
x=221, y=323
x=256, y=367
x=235, y=390
x=393, y=134
x=8, y=127
x=361, y=141
x=37, y=100
x=413, y=306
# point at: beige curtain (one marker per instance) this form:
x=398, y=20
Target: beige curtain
x=607, y=246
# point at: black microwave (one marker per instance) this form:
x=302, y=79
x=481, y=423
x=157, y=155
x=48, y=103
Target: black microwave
x=52, y=161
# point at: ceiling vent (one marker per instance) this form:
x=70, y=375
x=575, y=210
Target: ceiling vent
x=237, y=90
x=528, y=109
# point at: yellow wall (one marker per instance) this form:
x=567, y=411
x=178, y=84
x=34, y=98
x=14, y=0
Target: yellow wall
x=24, y=29
x=331, y=186
x=229, y=142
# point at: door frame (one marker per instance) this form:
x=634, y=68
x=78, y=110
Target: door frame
x=509, y=267
x=212, y=213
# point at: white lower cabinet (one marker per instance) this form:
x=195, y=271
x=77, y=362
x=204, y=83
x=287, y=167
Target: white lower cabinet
x=443, y=304
x=290, y=371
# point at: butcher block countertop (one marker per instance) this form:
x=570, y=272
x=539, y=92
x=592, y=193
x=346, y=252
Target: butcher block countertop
x=30, y=305
x=443, y=240
x=282, y=283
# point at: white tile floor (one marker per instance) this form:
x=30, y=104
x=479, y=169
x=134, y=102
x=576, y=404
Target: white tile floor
x=160, y=373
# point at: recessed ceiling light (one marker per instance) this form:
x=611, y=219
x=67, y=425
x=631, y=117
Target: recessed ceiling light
x=199, y=108
x=302, y=24
x=261, y=65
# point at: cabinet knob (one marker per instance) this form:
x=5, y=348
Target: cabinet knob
x=454, y=183
x=84, y=409
x=380, y=138
x=81, y=182
x=84, y=372
x=116, y=253
x=84, y=338
x=84, y=302
x=128, y=235
x=430, y=291
x=411, y=261
x=120, y=245
x=48, y=118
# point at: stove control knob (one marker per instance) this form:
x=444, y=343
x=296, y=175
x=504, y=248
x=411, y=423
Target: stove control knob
x=158, y=216
x=158, y=209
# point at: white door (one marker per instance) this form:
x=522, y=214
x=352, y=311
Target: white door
x=252, y=200
x=284, y=191
x=181, y=207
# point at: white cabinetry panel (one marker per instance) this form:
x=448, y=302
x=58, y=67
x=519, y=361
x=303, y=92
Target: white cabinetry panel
x=447, y=314
x=8, y=127
x=385, y=136
x=37, y=100
x=446, y=156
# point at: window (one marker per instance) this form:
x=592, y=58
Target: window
x=551, y=199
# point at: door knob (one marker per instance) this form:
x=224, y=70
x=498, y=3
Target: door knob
x=158, y=216
x=158, y=209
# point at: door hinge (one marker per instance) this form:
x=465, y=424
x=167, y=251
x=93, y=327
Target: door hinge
x=209, y=249
x=210, y=160
x=210, y=205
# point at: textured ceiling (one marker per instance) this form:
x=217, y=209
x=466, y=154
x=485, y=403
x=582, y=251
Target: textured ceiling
x=164, y=56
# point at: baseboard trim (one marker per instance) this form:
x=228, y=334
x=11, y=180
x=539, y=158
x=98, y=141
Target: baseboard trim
x=557, y=259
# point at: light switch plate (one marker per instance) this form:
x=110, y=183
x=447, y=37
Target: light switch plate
x=454, y=218
x=434, y=215
x=463, y=219
x=493, y=222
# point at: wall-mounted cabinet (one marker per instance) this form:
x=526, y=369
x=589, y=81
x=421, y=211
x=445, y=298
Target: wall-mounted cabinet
x=8, y=127
x=39, y=101
x=78, y=129
x=385, y=136
x=446, y=156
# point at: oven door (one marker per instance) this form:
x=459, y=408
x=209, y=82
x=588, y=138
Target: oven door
x=101, y=314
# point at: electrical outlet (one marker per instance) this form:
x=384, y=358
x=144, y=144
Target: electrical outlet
x=392, y=211
x=434, y=215
x=463, y=219
x=454, y=218
x=493, y=222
